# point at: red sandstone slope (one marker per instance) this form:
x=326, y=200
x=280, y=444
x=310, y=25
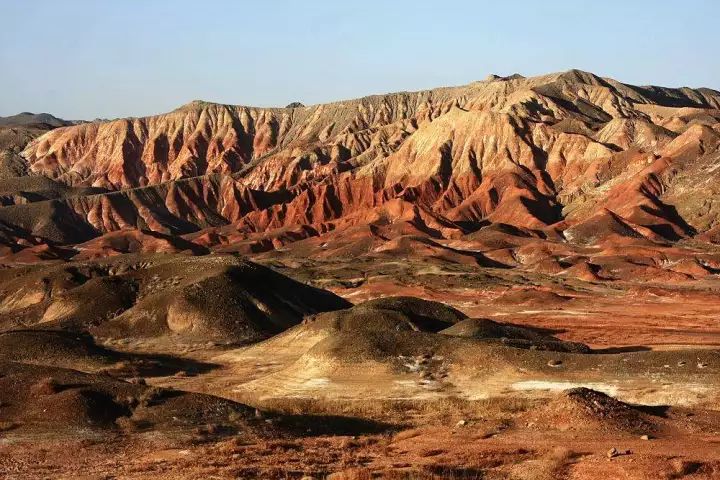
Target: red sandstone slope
x=568, y=152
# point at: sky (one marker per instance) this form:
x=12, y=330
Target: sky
x=85, y=59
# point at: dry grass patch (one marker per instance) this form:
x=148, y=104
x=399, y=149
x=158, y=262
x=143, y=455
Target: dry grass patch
x=443, y=411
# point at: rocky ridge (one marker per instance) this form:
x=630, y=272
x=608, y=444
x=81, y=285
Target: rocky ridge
x=570, y=156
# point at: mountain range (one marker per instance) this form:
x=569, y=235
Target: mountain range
x=569, y=157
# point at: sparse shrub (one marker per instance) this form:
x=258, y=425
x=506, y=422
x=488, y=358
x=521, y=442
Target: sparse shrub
x=46, y=386
x=209, y=429
x=120, y=369
x=129, y=424
x=554, y=464
x=129, y=401
x=150, y=396
x=352, y=474
x=6, y=426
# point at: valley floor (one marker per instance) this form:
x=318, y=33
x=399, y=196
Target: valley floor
x=418, y=424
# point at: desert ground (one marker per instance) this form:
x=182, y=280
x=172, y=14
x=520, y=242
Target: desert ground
x=513, y=279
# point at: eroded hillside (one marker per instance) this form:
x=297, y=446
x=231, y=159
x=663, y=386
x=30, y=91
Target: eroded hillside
x=567, y=156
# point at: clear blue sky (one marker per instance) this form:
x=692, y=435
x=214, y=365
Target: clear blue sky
x=82, y=59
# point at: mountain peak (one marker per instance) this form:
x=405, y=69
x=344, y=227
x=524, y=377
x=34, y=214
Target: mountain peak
x=580, y=76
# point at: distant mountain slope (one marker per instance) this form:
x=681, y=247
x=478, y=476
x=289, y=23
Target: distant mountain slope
x=16, y=132
x=566, y=152
x=27, y=119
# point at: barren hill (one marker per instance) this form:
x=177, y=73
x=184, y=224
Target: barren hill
x=568, y=154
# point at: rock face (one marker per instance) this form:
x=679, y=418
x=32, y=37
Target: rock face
x=569, y=156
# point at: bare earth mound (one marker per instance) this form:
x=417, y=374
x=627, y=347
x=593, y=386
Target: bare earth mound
x=586, y=409
x=222, y=299
x=44, y=399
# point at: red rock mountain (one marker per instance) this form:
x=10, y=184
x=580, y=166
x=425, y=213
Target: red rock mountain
x=570, y=157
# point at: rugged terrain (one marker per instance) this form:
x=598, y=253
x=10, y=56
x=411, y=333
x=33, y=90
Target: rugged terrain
x=568, y=156
x=516, y=278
